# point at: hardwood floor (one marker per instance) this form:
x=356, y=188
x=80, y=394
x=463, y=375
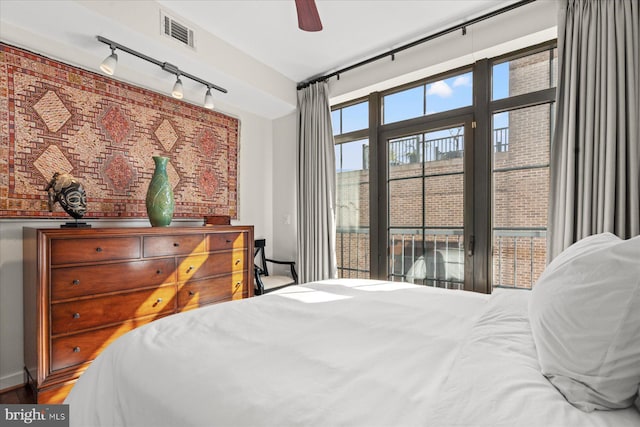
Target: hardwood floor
x=17, y=395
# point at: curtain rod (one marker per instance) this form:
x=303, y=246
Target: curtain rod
x=392, y=52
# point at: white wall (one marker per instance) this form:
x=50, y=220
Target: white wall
x=283, y=243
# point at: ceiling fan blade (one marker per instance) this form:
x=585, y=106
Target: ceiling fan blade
x=308, y=18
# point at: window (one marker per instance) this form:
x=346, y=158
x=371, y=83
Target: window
x=350, y=118
x=429, y=98
x=352, y=187
x=520, y=199
x=526, y=74
x=403, y=105
x=520, y=167
x=444, y=191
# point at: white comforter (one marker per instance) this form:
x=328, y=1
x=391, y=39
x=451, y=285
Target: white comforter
x=341, y=352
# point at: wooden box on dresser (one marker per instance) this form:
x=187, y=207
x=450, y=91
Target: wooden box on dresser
x=83, y=288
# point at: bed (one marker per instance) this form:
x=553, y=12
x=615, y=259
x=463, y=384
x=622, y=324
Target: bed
x=342, y=352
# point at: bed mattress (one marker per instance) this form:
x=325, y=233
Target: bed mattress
x=337, y=352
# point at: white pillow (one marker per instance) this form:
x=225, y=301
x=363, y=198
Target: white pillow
x=585, y=319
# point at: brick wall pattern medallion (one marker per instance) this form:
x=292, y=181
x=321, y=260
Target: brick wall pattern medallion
x=58, y=118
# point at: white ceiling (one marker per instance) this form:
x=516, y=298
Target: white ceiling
x=352, y=29
x=253, y=48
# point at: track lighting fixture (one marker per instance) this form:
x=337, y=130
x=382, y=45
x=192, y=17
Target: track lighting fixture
x=110, y=62
x=208, y=99
x=177, y=88
x=108, y=66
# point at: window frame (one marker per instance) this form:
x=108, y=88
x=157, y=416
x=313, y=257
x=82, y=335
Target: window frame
x=514, y=103
x=479, y=166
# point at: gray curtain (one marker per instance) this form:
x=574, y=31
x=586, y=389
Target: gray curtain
x=316, y=186
x=595, y=155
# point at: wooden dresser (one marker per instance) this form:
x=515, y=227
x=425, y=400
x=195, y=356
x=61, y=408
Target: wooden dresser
x=83, y=288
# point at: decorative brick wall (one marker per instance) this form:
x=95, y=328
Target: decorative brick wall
x=58, y=118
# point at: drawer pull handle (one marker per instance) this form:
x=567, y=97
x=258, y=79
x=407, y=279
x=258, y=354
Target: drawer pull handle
x=159, y=272
x=76, y=349
x=238, y=261
x=76, y=315
x=98, y=249
x=75, y=282
x=190, y=268
x=191, y=293
x=228, y=241
x=176, y=244
x=238, y=283
x=159, y=300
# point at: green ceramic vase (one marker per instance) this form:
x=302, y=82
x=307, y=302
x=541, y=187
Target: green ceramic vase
x=160, y=203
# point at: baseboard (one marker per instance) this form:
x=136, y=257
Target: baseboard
x=9, y=382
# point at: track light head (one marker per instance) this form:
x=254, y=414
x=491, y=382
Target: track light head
x=177, y=89
x=108, y=66
x=208, y=99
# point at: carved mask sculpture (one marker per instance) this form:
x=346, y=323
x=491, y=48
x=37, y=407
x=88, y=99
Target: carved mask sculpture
x=64, y=189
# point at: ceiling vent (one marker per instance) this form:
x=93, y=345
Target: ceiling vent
x=176, y=30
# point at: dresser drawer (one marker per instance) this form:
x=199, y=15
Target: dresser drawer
x=71, y=282
x=231, y=240
x=173, y=245
x=197, y=293
x=89, y=313
x=70, y=251
x=75, y=349
x=201, y=266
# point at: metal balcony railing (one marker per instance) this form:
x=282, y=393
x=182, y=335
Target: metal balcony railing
x=432, y=257
x=435, y=256
x=352, y=251
x=519, y=256
x=413, y=149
